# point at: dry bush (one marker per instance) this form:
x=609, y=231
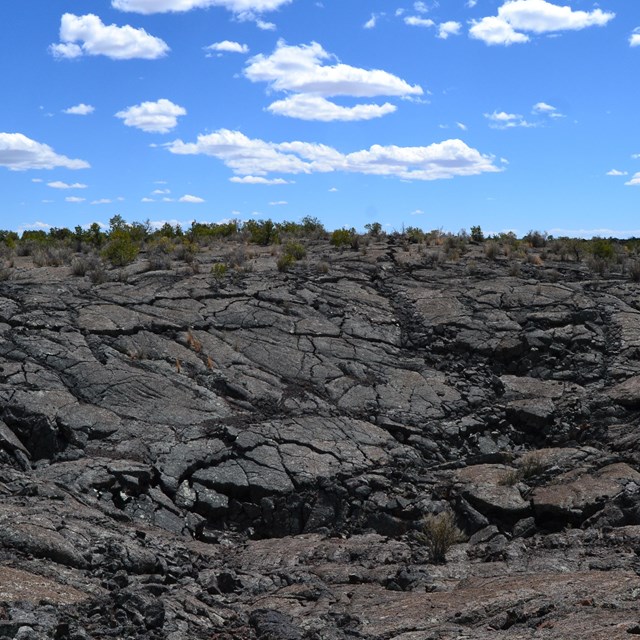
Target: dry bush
x=441, y=532
x=491, y=250
x=531, y=465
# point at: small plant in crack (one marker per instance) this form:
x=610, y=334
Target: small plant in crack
x=440, y=533
x=193, y=342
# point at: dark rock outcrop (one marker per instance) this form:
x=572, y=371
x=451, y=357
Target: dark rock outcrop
x=255, y=456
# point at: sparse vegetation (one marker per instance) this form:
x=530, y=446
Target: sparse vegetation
x=531, y=465
x=440, y=532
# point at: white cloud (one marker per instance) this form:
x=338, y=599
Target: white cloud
x=417, y=212
x=503, y=120
x=420, y=7
x=635, y=181
x=371, y=22
x=278, y=203
x=80, y=110
x=102, y=201
x=333, y=190
x=63, y=185
x=615, y=172
x=634, y=38
x=543, y=107
x=191, y=199
x=74, y=199
x=96, y=38
x=258, y=180
x=37, y=180
x=540, y=16
x=153, y=117
x=471, y=3
x=302, y=70
x=449, y=28
x=415, y=21
x=635, y=156
x=312, y=107
x=255, y=158
x=147, y=200
x=265, y=26
x=160, y=192
x=494, y=30
x=240, y=7
x=228, y=46
x=462, y=126
x=18, y=153
x=533, y=16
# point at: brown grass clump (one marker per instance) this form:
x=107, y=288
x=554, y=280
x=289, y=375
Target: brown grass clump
x=441, y=532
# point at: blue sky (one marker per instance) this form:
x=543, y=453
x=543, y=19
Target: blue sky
x=514, y=115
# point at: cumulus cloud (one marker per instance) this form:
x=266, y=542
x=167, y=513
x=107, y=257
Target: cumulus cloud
x=533, y=16
x=57, y=184
x=278, y=203
x=254, y=158
x=95, y=39
x=415, y=21
x=102, y=201
x=302, y=70
x=449, y=28
x=227, y=46
x=312, y=107
x=153, y=117
x=75, y=199
x=191, y=199
x=635, y=181
x=240, y=7
x=18, y=153
x=80, y=110
x=634, y=38
x=616, y=172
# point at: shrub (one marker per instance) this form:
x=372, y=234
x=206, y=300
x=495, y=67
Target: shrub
x=285, y=262
x=262, y=232
x=121, y=249
x=322, y=267
x=51, y=256
x=374, y=229
x=514, y=269
x=219, y=270
x=531, y=465
x=343, y=237
x=536, y=239
x=491, y=250
x=79, y=267
x=634, y=271
x=441, y=532
x=159, y=254
x=295, y=249
x=476, y=234
x=186, y=251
